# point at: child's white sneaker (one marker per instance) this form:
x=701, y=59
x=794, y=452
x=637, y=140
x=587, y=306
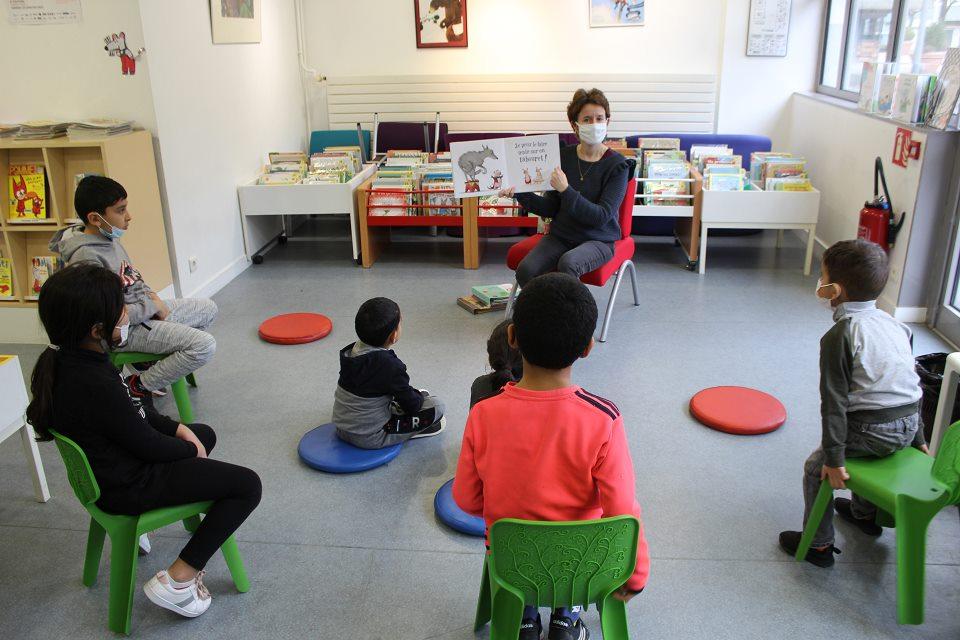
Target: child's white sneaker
x=190, y=601
x=144, y=545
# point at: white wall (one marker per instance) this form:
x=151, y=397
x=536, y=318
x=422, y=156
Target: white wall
x=62, y=71
x=755, y=92
x=219, y=110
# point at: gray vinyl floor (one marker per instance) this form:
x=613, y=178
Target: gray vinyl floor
x=362, y=556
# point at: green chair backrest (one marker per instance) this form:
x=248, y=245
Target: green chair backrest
x=78, y=469
x=946, y=467
x=561, y=564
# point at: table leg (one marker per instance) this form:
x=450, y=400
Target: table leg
x=811, y=238
x=33, y=456
x=704, y=232
x=779, y=238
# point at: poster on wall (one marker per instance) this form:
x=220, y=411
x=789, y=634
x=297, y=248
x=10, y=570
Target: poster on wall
x=235, y=21
x=441, y=23
x=769, y=28
x=484, y=167
x=24, y=12
x=616, y=13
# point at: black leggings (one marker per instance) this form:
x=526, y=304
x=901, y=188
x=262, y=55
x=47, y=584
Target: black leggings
x=235, y=491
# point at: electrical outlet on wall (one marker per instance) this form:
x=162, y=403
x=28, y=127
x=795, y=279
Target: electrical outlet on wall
x=193, y=263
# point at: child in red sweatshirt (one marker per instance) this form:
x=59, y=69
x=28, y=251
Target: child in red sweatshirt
x=545, y=449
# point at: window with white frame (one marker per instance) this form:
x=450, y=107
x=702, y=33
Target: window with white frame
x=914, y=34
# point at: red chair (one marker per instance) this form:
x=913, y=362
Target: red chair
x=620, y=263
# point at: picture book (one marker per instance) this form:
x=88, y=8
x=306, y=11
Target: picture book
x=440, y=193
x=497, y=206
x=907, y=97
x=484, y=167
x=389, y=199
x=759, y=158
x=492, y=293
x=795, y=183
x=868, y=87
x=42, y=267
x=666, y=177
x=286, y=156
x=658, y=143
x=6, y=279
x=28, y=194
x=885, y=93
x=946, y=92
x=794, y=167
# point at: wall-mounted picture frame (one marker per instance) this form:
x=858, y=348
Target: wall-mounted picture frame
x=440, y=23
x=235, y=21
x=616, y=13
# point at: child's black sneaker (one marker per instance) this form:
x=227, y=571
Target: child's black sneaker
x=790, y=540
x=137, y=391
x=563, y=628
x=843, y=507
x=432, y=430
x=531, y=629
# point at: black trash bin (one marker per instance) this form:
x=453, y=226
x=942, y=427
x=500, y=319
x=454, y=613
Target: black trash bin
x=930, y=369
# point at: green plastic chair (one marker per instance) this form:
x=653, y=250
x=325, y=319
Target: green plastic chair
x=179, y=387
x=556, y=564
x=909, y=488
x=125, y=532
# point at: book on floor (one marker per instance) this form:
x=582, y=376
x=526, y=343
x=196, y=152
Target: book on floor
x=475, y=306
x=492, y=293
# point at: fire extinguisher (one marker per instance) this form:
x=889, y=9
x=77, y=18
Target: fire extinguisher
x=877, y=221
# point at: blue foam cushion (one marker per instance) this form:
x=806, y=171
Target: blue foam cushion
x=321, y=449
x=453, y=516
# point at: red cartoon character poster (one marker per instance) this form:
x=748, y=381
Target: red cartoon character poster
x=27, y=193
x=115, y=45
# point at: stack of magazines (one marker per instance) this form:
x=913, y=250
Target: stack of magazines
x=95, y=128
x=42, y=129
x=9, y=130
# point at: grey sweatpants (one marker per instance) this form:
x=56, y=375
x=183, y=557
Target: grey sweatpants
x=182, y=335
x=400, y=428
x=863, y=440
x=552, y=253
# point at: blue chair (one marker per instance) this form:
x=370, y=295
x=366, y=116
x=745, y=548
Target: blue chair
x=323, y=450
x=319, y=140
x=453, y=516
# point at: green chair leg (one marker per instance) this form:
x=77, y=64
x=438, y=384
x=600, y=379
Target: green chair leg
x=507, y=616
x=123, y=575
x=191, y=380
x=182, y=398
x=912, y=521
x=191, y=523
x=91, y=564
x=613, y=619
x=231, y=554
x=483, y=600
x=816, y=515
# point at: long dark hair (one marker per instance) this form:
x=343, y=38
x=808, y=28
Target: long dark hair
x=505, y=361
x=72, y=302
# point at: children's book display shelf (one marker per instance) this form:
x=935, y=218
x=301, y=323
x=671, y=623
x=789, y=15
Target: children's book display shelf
x=127, y=158
x=374, y=229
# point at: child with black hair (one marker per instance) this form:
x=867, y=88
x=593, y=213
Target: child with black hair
x=869, y=389
x=175, y=327
x=374, y=405
x=545, y=449
x=140, y=459
x=505, y=361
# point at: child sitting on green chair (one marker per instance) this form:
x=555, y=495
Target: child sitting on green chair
x=869, y=389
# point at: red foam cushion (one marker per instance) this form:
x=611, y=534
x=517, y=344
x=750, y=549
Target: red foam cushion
x=738, y=410
x=295, y=328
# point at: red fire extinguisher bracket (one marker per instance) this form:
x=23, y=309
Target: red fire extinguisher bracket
x=905, y=148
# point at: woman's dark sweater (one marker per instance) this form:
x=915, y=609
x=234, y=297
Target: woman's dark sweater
x=125, y=442
x=588, y=208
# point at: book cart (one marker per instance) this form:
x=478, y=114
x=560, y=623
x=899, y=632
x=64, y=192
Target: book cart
x=260, y=205
x=686, y=228
x=127, y=158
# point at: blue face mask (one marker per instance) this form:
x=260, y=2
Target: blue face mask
x=114, y=233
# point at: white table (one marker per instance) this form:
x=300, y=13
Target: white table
x=13, y=406
x=757, y=209
x=261, y=204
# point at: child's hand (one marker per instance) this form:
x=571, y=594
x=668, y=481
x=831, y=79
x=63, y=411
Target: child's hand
x=625, y=595
x=184, y=433
x=836, y=475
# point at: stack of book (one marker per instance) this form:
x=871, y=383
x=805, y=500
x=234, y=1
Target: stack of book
x=912, y=97
x=392, y=186
x=486, y=298
x=645, y=144
x=779, y=171
x=666, y=173
x=96, y=128
x=285, y=167
x=721, y=168
x=9, y=130
x=42, y=129
x=436, y=178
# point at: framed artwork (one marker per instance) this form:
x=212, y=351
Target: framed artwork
x=441, y=23
x=616, y=13
x=235, y=21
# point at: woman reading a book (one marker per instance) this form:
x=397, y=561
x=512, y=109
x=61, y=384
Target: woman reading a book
x=588, y=188
x=140, y=459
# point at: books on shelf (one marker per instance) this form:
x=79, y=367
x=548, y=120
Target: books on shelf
x=869, y=87
x=42, y=129
x=724, y=177
x=9, y=130
x=287, y=156
x=885, y=92
x=492, y=293
x=95, y=128
x=789, y=184
x=279, y=178
x=27, y=194
x=6, y=279
x=910, y=96
x=42, y=267
x=943, y=100
x=666, y=172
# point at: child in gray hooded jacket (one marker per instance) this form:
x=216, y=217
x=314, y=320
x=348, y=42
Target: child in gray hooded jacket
x=174, y=327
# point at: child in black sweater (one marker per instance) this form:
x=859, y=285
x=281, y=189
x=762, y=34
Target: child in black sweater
x=505, y=361
x=140, y=459
x=374, y=405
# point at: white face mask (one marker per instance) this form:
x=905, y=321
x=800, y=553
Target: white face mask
x=592, y=133
x=824, y=302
